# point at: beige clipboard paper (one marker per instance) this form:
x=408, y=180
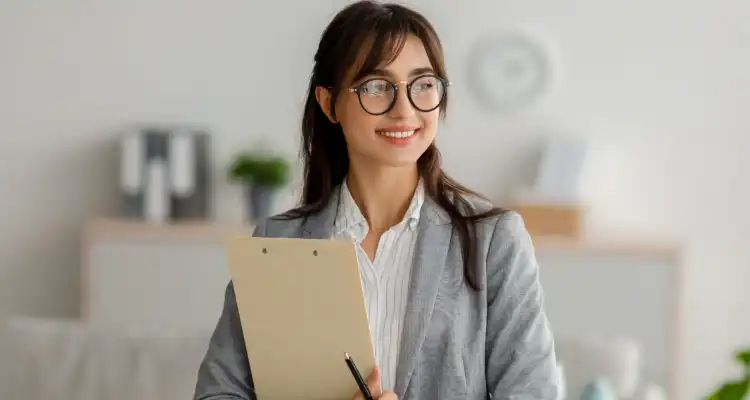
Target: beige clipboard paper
x=301, y=308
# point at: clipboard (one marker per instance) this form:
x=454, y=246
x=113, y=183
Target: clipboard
x=301, y=307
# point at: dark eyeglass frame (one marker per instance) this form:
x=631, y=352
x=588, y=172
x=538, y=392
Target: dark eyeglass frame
x=358, y=90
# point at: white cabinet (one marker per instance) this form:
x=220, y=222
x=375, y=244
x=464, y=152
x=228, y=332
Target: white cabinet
x=162, y=279
x=634, y=294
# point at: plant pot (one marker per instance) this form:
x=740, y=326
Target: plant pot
x=259, y=201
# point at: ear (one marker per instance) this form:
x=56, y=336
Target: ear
x=323, y=96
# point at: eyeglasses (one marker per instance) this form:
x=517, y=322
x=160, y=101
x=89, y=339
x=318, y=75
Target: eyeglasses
x=377, y=96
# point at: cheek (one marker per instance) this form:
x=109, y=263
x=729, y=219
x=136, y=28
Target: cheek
x=355, y=122
x=430, y=122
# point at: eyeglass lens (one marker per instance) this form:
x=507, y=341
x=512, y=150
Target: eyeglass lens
x=377, y=96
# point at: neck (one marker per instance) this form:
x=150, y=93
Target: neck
x=383, y=194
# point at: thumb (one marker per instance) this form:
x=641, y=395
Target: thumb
x=373, y=383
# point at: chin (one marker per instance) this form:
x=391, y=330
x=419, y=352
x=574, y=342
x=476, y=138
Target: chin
x=402, y=163
x=401, y=160
x=392, y=160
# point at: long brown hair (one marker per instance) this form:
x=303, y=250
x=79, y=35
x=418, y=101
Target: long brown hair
x=360, y=38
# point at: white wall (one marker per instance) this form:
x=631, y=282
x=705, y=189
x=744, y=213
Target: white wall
x=660, y=86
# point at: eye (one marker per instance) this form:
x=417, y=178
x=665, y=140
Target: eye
x=424, y=83
x=375, y=87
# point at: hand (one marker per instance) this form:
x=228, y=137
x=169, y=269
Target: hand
x=373, y=383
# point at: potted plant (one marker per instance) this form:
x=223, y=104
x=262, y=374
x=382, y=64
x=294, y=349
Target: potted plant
x=262, y=175
x=736, y=389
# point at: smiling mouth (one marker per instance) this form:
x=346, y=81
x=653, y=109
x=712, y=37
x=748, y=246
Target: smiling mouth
x=398, y=135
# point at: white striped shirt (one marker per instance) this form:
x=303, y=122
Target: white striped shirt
x=385, y=281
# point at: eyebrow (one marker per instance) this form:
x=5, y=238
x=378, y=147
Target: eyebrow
x=414, y=72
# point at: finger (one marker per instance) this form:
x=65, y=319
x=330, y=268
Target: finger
x=373, y=383
x=388, y=396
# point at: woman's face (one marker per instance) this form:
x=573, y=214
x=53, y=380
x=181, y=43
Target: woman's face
x=398, y=137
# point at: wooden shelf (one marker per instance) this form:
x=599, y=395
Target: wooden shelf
x=614, y=245
x=112, y=228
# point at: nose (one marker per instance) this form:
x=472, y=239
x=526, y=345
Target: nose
x=402, y=107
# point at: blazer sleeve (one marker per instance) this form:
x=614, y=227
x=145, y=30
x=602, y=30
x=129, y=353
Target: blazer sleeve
x=224, y=373
x=521, y=362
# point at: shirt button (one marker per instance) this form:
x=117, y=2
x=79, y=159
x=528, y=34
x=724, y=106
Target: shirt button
x=412, y=224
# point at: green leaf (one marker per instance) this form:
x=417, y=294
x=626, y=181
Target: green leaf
x=736, y=390
x=744, y=357
x=259, y=169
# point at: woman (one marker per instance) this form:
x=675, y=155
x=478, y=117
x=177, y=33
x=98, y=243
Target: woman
x=461, y=272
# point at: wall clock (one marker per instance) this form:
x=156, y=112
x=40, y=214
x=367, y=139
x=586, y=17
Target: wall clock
x=508, y=71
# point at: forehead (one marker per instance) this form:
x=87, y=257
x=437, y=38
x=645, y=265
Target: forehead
x=413, y=56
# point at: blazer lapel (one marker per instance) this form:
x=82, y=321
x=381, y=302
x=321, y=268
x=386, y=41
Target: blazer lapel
x=320, y=225
x=429, y=262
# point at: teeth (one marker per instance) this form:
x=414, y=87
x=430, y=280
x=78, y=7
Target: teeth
x=399, y=135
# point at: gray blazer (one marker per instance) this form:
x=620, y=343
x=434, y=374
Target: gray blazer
x=459, y=344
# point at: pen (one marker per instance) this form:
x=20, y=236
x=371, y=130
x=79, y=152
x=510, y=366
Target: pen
x=358, y=377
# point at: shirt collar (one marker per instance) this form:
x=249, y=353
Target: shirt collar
x=350, y=218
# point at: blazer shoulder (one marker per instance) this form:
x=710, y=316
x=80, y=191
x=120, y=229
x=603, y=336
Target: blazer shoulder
x=506, y=228
x=510, y=223
x=472, y=205
x=509, y=243
x=283, y=224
